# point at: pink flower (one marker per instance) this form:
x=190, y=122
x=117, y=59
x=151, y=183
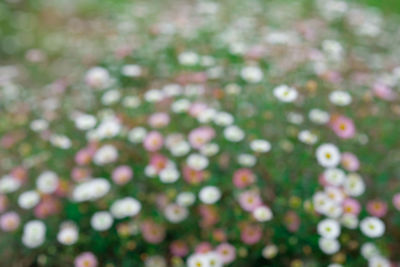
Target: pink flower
x=292, y=221
x=80, y=174
x=20, y=173
x=251, y=234
x=152, y=232
x=227, y=252
x=158, y=162
x=192, y=176
x=153, y=141
x=343, y=127
x=209, y=216
x=197, y=108
x=179, y=248
x=350, y=161
x=83, y=156
x=350, y=205
x=9, y=221
x=159, y=120
x=243, y=177
x=203, y=247
x=250, y=200
x=48, y=206
x=86, y=259
x=384, y=92
x=377, y=208
x=396, y=201
x=201, y=136
x=122, y=174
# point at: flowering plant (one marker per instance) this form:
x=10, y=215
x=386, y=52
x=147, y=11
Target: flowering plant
x=207, y=146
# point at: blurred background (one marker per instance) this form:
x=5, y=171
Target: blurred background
x=47, y=38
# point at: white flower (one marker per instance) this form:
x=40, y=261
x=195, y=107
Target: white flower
x=126, y=207
x=28, y=199
x=223, y=119
x=213, y=259
x=108, y=128
x=47, y=182
x=137, y=135
x=369, y=250
x=101, y=221
x=349, y=220
x=131, y=70
x=34, y=234
x=60, y=141
x=233, y=89
x=340, y=98
x=329, y=246
x=188, y=58
x=197, y=162
x=233, y=133
x=39, y=125
x=9, y=184
x=321, y=202
x=85, y=122
x=329, y=228
x=110, y=97
x=334, y=176
x=169, y=175
x=155, y=261
x=334, y=210
x=197, y=260
x=180, y=105
x=260, y=146
x=285, y=93
x=318, y=116
x=378, y=261
x=91, y=190
x=68, y=235
x=247, y=160
x=372, y=227
x=209, y=150
x=252, y=74
x=176, y=213
x=131, y=102
x=354, y=185
x=307, y=137
x=180, y=149
x=209, y=194
x=328, y=155
x=105, y=154
x=333, y=49
x=185, y=199
x=150, y=171
x=172, y=89
x=97, y=77
x=207, y=115
x=335, y=194
x=154, y=95
x=269, y=251
x=295, y=118
x=262, y=214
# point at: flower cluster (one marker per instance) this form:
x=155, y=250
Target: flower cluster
x=213, y=143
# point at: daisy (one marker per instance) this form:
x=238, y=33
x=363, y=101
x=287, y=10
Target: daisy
x=340, y=98
x=328, y=155
x=252, y=74
x=209, y=194
x=285, y=93
x=372, y=227
x=329, y=228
